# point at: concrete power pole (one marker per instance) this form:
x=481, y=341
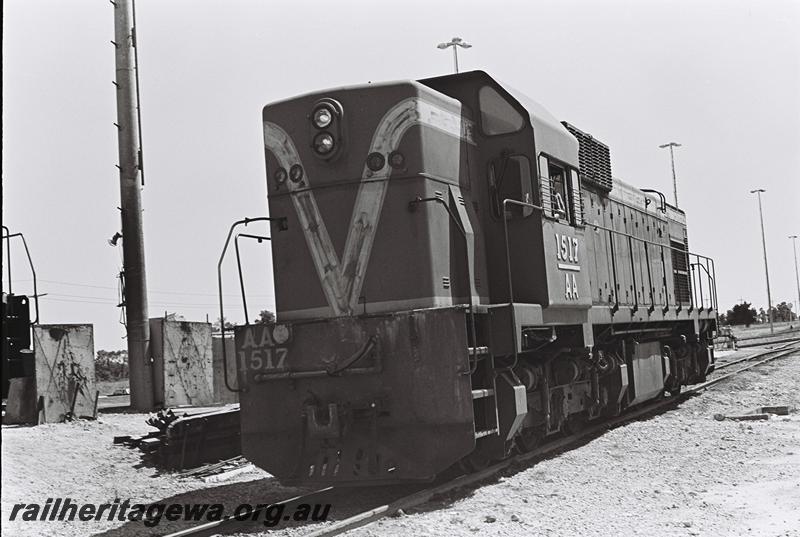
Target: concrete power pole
x=455, y=43
x=671, y=146
x=130, y=161
x=758, y=192
x=796, y=273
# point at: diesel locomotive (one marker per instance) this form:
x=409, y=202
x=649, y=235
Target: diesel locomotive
x=457, y=276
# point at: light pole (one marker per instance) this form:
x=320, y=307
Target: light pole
x=796, y=274
x=758, y=192
x=455, y=43
x=672, y=145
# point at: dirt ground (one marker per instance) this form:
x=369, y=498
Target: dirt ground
x=78, y=460
x=679, y=473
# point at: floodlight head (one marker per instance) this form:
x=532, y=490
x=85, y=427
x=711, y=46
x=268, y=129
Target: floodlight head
x=113, y=240
x=757, y=190
x=443, y=45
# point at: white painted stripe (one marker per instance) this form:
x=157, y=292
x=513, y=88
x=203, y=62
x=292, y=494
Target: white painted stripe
x=565, y=266
x=342, y=283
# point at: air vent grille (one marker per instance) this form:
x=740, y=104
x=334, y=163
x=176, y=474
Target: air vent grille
x=594, y=158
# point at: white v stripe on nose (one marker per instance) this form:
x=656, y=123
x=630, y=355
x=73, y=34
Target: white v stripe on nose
x=342, y=283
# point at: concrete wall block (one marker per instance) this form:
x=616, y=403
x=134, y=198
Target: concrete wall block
x=64, y=362
x=183, y=363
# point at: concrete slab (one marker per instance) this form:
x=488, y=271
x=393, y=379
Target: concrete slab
x=64, y=363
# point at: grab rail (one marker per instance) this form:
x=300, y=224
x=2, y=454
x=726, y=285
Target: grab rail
x=688, y=255
x=282, y=225
x=8, y=236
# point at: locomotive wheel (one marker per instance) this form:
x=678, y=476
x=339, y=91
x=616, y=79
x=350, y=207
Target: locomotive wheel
x=574, y=424
x=528, y=441
x=675, y=391
x=475, y=461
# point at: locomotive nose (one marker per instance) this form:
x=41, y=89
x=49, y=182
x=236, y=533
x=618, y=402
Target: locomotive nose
x=360, y=399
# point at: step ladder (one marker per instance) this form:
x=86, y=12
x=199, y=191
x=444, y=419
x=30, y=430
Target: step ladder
x=484, y=402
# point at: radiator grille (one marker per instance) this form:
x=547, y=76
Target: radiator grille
x=594, y=158
x=680, y=271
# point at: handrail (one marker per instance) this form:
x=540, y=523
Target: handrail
x=712, y=299
x=282, y=223
x=8, y=236
x=598, y=226
x=259, y=238
x=663, y=207
x=630, y=237
x=685, y=252
x=473, y=348
x=508, y=267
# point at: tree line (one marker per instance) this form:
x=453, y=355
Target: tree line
x=746, y=314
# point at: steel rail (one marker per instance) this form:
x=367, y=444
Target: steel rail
x=421, y=497
x=762, y=343
x=214, y=528
x=754, y=356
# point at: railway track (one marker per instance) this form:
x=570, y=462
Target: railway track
x=760, y=342
x=419, y=495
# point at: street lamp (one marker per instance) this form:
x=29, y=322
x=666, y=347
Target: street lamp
x=455, y=43
x=758, y=192
x=796, y=274
x=672, y=145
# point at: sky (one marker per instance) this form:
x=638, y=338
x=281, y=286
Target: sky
x=721, y=77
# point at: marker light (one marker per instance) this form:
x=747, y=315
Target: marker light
x=375, y=161
x=280, y=176
x=296, y=173
x=322, y=117
x=396, y=159
x=323, y=143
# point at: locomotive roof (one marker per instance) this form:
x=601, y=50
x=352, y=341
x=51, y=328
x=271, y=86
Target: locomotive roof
x=634, y=197
x=421, y=88
x=550, y=136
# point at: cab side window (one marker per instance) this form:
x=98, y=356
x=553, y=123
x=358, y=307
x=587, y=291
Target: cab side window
x=559, y=195
x=510, y=178
x=560, y=190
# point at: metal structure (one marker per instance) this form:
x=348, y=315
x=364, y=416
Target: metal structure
x=455, y=43
x=17, y=356
x=671, y=146
x=131, y=181
x=758, y=192
x=457, y=276
x=796, y=273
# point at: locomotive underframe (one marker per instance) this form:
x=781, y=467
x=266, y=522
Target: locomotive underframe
x=401, y=397
x=573, y=374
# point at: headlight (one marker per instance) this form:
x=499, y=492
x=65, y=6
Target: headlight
x=396, y=159
x=280, y=176
x=324, y=143
x=296, y=173
x=322, y=117
x=375, y=161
